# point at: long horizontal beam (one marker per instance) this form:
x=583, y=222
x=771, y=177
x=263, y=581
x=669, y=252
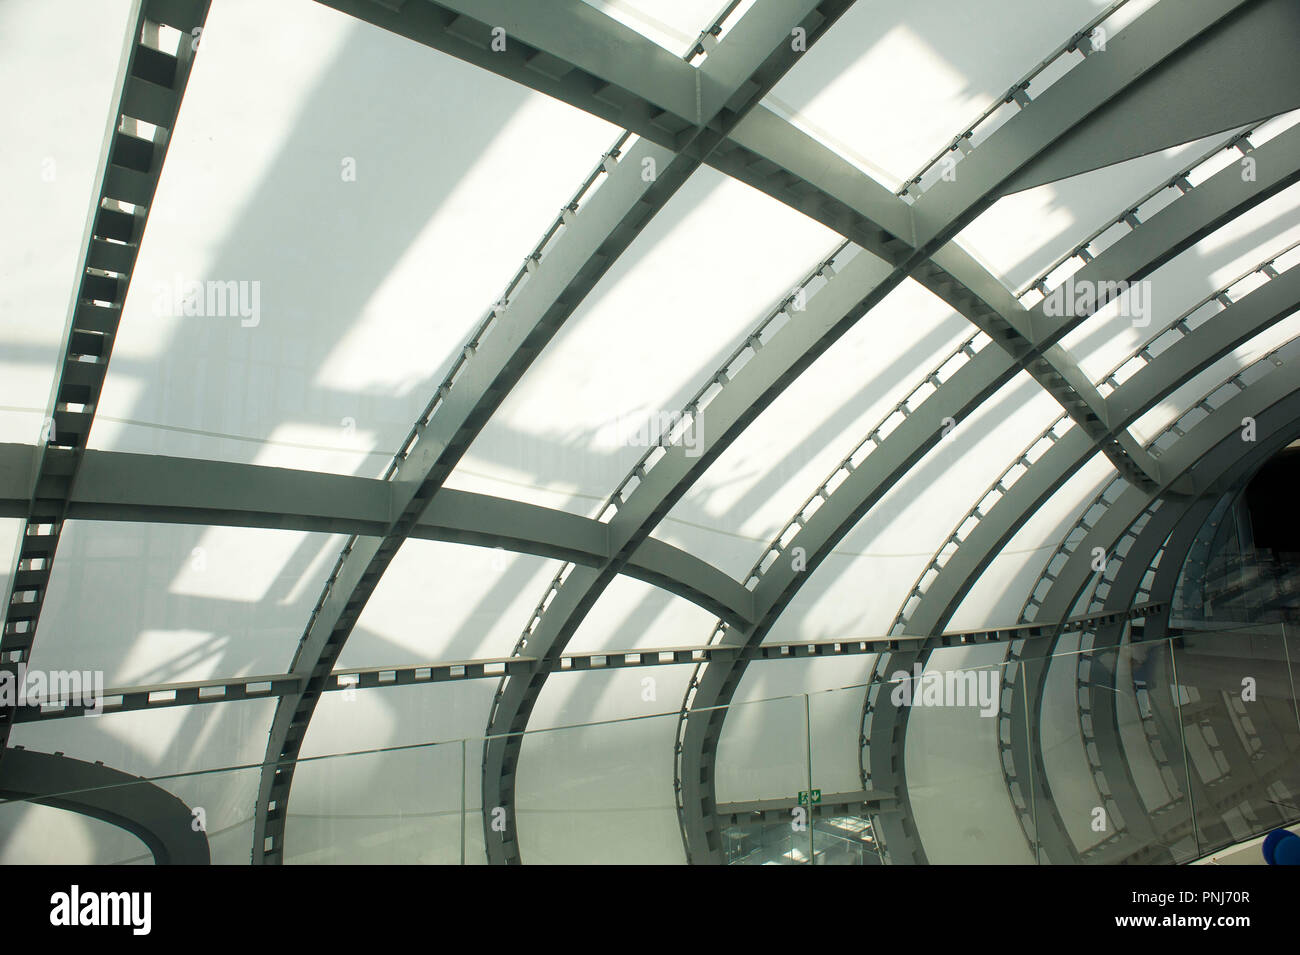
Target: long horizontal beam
x=252, y=687
x=119, y=486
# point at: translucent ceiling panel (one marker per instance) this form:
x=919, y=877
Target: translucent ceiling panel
x=31, y=834
x=1023, y=235
x=1223, y=258
x=635, y=615
x=344, y=242
x=704, y=272
x=673, y=24
x=999, y=594
x=749, y=493
x=162, y=603
x=1213, y=380
x=892, y=84
x=442, y=601
x=58, y=83
x=183, y=739
x=860, y=587
x=629, y=615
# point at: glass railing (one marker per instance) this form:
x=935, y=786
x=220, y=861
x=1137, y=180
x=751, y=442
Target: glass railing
x=1110, y=749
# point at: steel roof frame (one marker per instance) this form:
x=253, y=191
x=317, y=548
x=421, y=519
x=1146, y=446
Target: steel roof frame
x=698, y=115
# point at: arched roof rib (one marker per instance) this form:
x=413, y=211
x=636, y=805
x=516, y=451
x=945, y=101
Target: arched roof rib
x=731, y=81
x=149, y=88
x=766, y=152
x=1195, y=214
x=1213, y=452
x=1175, y=366
x=161, y=821
x=963, y=201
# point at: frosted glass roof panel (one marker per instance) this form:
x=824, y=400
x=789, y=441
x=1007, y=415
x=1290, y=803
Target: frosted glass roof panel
x=631, y=614
x=161, y=603
x=860, y=587
x=673, y=24
x=749, y=493
x=591, y=795
x=338, y=814
x=1111, y=336
x=707, y=268
x=1026, y=233
x=1001, y=590
x=891, y=84
x=58, y=83
x=364, y=246
x=442, y=601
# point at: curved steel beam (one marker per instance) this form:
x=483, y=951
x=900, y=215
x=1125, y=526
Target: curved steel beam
x=1152, y=241
x=116, y=486
x=1213, y=459
x=766, y=152
x=949, y=212
x=150, y=813
x=149, y=88
x=731, y=81
x=1177, y=364
x=855, y=495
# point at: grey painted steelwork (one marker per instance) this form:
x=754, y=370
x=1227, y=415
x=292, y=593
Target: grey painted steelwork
x=1224, y=463
x=1177, y=364
x=160, y=820
x=117, y=486
x=166, y=695
x=1198, y=212
x=734, y=77
x=766, y=152
x=959, y=205
x=149, y=87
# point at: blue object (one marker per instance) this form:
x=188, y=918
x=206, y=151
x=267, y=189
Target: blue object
x=1287, y=842
x=1287, y=851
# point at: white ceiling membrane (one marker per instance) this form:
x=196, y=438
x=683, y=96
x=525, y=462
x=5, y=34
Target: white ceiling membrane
x=59, y=84
x=152, y=604
x=651, y=333
x=363, y=248
x=893, y=84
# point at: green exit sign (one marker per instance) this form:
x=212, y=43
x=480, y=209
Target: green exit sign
x=804, y=794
